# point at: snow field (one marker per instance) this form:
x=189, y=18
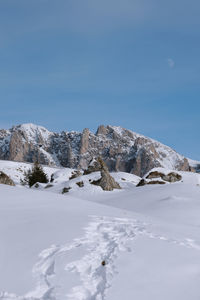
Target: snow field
x=52, y=246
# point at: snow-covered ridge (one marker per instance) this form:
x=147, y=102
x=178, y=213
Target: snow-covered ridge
x=34, y=132
x=169, y=156
x=122, y=149
x=62, y=179
x=81, y=186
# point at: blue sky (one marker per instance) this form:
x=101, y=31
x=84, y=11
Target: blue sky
x=70, y=64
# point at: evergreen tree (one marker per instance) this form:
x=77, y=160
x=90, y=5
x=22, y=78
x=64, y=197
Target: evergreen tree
x=36, y=174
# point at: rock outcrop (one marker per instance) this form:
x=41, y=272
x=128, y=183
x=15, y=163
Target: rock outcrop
x=158, y=177
x=170, y=177
x=75, y=174
x=5, y=179
x=121, y=149
x=95, y=165
x=106, y=182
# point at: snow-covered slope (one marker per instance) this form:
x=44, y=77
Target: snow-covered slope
x=34, y=132
x=15, y=170
x=195, y=165
x=136, y=243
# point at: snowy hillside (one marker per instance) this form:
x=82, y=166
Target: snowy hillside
x=135, y=243
x=16, y=170
x=62, y=178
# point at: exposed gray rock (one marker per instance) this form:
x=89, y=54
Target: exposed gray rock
x=106, y=182
x=84, y=141
x=121, y=149
x=144, y=182
x=5, y=179
x=66, y=190
x=102, y=130
x=172, y=177
x=156, y=182
x=94, y=166
x=75, y=174
x=80, y=183
x=154, y=174
x=161, y=178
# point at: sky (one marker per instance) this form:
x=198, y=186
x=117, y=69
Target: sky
x=72, y=64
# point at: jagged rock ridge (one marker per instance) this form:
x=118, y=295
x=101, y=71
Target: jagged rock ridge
x=121, y=149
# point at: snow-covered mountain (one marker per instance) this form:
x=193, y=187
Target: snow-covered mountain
x=121, y=149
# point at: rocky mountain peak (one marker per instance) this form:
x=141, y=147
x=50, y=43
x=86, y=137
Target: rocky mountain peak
x=102, y=130
x=33, y=133
x=121, y=149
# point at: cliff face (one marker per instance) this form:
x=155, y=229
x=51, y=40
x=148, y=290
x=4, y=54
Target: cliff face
x=121, y=149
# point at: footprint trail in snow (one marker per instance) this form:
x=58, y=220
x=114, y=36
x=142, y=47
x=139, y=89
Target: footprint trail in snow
x=104, y=239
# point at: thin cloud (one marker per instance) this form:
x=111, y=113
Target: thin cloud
x=171, y=63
